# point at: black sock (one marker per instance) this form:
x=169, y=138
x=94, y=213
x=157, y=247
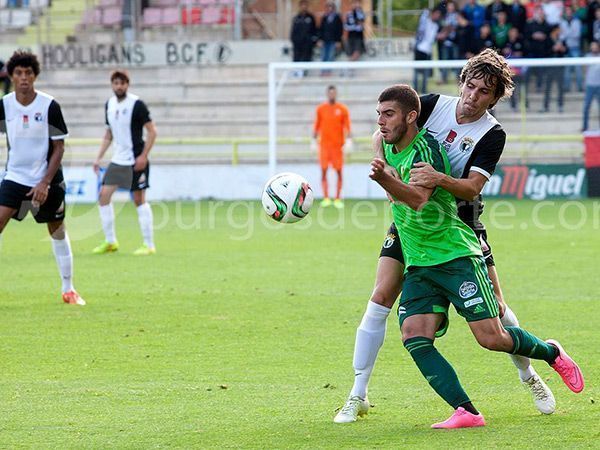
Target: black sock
x=469, y=407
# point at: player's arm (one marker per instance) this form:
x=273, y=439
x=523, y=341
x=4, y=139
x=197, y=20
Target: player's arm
x=142, y=160
x=425, y=175
x=57, y=131
x=39, y=193
x=487, y=153
x=414, y=196
x=106, y=140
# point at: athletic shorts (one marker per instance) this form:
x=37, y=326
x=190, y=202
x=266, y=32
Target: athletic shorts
x=333, y=157
x=462, y=282
x=392, y=247
x=126, y=178
x=14, y=195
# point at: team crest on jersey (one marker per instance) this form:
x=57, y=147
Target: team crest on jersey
x=37, y=117
x=466, y=145
x=389, y=240
x=467, y=289
x=449, y=139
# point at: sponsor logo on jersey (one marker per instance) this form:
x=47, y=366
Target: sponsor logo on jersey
x=37, y=117
x=478, y=309
x=473, y=301
x=467, y=289
x=25, y=121
x=389, y=240
x=466, y=145
x=451, y=136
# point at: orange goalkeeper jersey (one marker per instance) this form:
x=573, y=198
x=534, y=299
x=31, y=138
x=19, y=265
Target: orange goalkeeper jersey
x=332, y=124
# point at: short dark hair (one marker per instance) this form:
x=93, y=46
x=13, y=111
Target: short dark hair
x=120, y=74
x=406, y=97
x=331, y=87
x=23, y=58
x=494, y=69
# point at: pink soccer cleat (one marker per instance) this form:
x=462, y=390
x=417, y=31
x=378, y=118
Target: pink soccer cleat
x=461, y=419
x=73, y=298
x=568, y=369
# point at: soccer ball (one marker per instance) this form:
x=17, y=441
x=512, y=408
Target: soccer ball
x=287, y=197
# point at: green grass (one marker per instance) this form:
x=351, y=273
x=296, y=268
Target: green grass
x=239, y=334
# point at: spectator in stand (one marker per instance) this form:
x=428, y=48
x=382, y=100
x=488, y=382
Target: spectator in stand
x=500, y=30
x=514, y=49
x=596, y=27
x=330, y=34
x=4, y=78
x=447, y=37
x=570, y=27
x=552, y=11
x=517, y=16
x=530, y=8
x=355, y=27
x=485, y=40
x=303, y=35
x=492, y=10
x=536, y=35
x=464, y=35
x=592, y=6
x=580, y=11
x=475, y=14
x=427, y=31
x=555, y=74
x=592, y=85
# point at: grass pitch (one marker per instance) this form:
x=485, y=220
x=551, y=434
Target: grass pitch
x=239, y=333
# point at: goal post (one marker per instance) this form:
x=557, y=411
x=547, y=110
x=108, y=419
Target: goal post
x=360, y=82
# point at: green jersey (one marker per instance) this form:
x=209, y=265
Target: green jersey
x=435, y=234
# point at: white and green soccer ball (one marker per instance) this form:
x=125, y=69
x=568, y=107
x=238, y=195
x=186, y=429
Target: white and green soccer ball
x=287, y=197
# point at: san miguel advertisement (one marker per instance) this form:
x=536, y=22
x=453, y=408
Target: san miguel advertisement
x=537, y=182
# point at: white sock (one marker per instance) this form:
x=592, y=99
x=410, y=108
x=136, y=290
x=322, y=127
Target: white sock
x=522, y=363
x=64, y=260
x=146, y=223
x=369, y=339
x=107, y=217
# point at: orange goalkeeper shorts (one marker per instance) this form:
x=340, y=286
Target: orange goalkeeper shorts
x=333, y=157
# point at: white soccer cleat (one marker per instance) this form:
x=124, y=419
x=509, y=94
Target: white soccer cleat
x=541, y=393
x=354, y=407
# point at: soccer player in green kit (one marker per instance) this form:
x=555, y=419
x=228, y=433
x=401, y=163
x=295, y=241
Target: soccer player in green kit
x=444, y=264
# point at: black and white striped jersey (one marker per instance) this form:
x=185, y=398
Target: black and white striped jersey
x=475, y=146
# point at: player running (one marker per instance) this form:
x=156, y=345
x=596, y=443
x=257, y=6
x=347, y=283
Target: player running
x=126, y=119
x=35, y=134
x=332, y=124
x=444, y=264
x=474, y=141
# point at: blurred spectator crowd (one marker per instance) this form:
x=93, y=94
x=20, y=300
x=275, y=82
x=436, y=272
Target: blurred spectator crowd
x=520, y=29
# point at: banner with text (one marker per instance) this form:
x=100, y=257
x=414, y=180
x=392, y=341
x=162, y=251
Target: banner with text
x=191, y=53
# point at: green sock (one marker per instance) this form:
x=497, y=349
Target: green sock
x=526, y=344
x=436, y=370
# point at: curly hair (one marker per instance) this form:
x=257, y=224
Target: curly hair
x=23, y=58
x=494, y=70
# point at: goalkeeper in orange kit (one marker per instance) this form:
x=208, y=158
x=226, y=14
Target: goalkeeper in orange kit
x=332, y=125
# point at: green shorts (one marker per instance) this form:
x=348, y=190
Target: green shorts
x=464, y=282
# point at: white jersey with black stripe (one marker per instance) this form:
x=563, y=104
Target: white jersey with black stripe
x=30, y=130
x=475, y=146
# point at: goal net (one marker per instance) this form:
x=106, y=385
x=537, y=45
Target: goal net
x=543, y=120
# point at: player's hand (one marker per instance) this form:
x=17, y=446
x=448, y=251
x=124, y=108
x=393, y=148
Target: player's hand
x=424, y=175
x=378, y=172
x=391, y=171
x=348, y=146
x=96, y=167
x=313, y=145
x=140, y=163
x=39, y=193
